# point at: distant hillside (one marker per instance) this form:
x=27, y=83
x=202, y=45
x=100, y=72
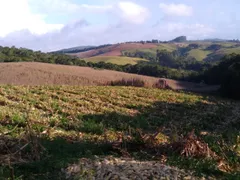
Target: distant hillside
x=80, y=49
x=204, y=50
x=179, y=39
x=195, y=50
x=73, y=49
x=119, y=60
x=113, y=50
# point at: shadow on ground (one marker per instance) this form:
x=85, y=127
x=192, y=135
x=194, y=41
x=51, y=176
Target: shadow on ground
x=180, y=118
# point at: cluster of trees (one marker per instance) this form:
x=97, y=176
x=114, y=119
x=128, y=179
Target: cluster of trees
x=177, y=59
x=214, y=47
x=12, y=54
x=155, y=41
x=147, y=69
x=227, y=74
x=141, y=54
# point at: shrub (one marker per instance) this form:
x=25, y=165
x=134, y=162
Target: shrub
x=161, y=84
x=128, y=82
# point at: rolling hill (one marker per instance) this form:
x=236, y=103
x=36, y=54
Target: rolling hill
x=114, y=50
x=204, y=50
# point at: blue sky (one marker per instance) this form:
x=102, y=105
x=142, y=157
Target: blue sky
x=54, y=24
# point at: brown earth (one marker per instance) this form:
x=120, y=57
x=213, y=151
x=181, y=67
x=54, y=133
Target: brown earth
x=114, y=50
x=32, y=73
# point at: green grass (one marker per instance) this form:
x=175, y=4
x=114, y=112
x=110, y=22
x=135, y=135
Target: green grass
x=115, y=60
x=198, y=54
x=86, y=115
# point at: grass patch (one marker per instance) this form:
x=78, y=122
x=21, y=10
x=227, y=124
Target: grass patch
x=198, y=54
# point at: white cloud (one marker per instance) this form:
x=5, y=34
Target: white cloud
x=81, y=33
x=133, y=13
x=23, y=28
x=66, y=6
x=176, y=9
x=16, y=15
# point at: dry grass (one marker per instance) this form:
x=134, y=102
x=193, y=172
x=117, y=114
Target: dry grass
x=32, y=73
x=51, y=74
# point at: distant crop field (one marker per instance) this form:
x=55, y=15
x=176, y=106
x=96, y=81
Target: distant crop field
x=119, y=60
x=167, y=47
x=114, y=50
x=48, y=128
x=198, y=54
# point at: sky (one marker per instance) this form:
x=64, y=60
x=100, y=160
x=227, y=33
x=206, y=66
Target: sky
x=49, y=25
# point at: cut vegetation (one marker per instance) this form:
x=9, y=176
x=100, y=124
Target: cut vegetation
x=45, y=130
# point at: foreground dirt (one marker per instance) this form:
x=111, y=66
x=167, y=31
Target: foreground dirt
x=33, y=73
x=124, y=169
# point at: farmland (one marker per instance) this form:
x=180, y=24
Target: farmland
x=33, y=73
x=199, y=53
x=73, y=122
x=114, y=50
x=119, y=60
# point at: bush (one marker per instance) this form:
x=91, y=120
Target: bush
x=128, y=82
x=161, y=84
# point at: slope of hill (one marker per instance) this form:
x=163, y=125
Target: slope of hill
x=71, y=124
x=119, y=60
x=31, y=73
x=203, y=51
x=168, y=47
x=78, y=48
x=113, y=50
